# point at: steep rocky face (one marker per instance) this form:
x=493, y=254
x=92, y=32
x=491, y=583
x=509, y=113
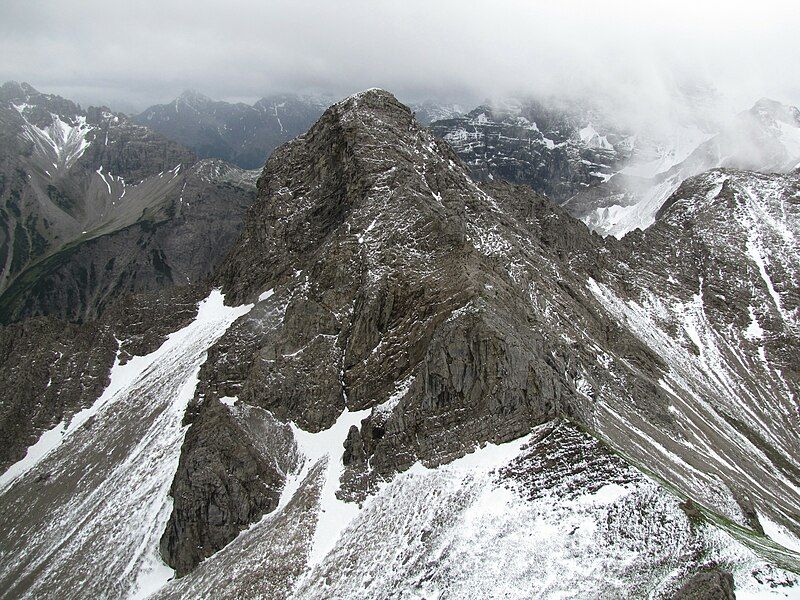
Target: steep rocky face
x=49, y=371
x=556, y=152
x=427, y=387
x=239, y=133
x=95, y=206
x=372, y=241
x=707, y=585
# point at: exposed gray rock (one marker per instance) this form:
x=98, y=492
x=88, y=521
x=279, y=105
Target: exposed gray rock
x=450, y=316
x=711, y=584
x=233, y=466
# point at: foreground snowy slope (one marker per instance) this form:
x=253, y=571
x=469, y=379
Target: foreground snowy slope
x=430, y=388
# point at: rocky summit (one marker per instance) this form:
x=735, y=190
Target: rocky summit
x=403, y=383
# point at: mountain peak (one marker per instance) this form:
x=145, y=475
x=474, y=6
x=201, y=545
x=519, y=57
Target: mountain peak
x=12, y=90
x=193, y=97
x=766, y=108
x=372, y=99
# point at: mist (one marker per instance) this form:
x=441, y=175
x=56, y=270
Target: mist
x=637, y=57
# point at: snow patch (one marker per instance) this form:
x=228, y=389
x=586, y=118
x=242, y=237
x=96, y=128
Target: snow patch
x=328, y=445
x=779, y=534
x=61, y=143
x=401, y=389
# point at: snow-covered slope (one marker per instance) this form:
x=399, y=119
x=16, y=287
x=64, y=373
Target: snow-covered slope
x=431, y=388
x=60, y=143
x=84, y=519
x=764, y=138
x=549, y=515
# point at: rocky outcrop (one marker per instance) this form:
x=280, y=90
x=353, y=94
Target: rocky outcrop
x=393, y=287
x=712, y=584
x=232, y=469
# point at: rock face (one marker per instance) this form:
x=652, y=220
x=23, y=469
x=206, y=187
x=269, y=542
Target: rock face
x=379, y=251
x=232, y=469
x=707, y=585
x=426, y=387
x=49, y=371
x=239, y=133
x=93, y=206
x=557, y=152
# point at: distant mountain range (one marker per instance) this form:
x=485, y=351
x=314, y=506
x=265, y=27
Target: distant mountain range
x=93, y=206
x=245, y=134
x=239, y=133
x=614, y=178
x=765, y=138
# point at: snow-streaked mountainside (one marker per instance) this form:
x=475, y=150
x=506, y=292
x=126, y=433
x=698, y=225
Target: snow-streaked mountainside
x=90, y=195
x=419, y=386
x=765, y=138
x=613, y=177
x=556, y=152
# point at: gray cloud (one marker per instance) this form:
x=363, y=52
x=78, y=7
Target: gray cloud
x=631, y=54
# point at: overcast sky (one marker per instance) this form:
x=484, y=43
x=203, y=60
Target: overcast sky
x=134, y=53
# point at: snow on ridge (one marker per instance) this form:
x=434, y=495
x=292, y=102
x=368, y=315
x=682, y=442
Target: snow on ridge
x=592, y=139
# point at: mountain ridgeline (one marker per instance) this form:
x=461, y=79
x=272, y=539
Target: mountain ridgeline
x=238, y=133
x=94, y=206
x=402, y=382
